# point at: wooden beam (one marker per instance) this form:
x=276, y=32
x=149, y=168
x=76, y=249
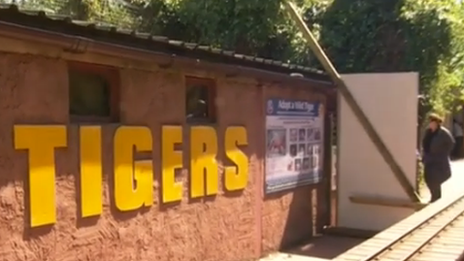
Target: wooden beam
x=350, y=232
x=348, y=96
x=387, y=202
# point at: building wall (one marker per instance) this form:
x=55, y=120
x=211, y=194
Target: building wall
x=229, y=227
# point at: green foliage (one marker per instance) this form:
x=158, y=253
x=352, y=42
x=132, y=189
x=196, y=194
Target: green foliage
x=120, y=13
x=359, y=35
x=400, y=35
x=245, y=26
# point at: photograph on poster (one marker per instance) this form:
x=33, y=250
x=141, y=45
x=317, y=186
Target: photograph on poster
x=294, y=144
x=302, y=150
x=276, y=142
x=306, y=164
x=293, y=135
x=293, y=150
x=301, y=134
x=309, y=133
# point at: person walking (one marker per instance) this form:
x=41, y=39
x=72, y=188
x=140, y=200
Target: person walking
x=458, y=138
x=437, y=145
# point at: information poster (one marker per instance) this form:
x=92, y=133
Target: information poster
x=294, y=143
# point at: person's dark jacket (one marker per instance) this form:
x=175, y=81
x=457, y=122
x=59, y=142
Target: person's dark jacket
x=437, y=149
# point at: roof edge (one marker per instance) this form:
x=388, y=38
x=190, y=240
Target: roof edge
x=69, y=41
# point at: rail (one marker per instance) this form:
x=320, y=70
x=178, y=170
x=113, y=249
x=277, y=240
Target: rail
x=418, y=241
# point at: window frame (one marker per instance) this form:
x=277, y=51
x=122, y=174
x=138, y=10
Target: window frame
x=108, y=73
x=210, y=84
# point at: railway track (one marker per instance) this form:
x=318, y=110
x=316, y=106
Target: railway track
x=440, y=237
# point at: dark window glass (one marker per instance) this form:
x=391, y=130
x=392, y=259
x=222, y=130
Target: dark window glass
x=89, y=94
x=199, y=102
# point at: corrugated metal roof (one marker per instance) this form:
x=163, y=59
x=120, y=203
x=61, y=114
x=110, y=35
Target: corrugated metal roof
x=109, y=33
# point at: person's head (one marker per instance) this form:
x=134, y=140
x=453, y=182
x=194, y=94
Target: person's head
x=435, y=121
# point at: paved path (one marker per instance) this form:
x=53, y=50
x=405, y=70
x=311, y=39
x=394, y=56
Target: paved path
x=452, y=188
x=456, y=184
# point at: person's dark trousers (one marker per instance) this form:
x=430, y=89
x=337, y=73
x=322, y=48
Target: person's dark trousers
x=434, y=187
x=457, y=150
x=435, y=191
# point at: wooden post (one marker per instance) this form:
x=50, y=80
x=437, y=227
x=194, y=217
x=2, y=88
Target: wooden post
x=327, y=163
x=345, y=92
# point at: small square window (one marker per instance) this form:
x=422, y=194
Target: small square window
x=200, y=99
x=93, y=93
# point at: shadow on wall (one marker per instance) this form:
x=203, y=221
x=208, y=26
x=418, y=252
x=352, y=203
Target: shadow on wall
x=299, y=212
x=326, y=246
x=304, y=210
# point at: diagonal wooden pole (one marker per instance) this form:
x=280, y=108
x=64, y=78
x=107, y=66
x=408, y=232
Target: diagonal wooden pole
x=345, y=92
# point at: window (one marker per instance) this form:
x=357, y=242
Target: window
x=93, y=93
x=200, y=99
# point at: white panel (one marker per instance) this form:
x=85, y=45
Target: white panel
x=389, y=100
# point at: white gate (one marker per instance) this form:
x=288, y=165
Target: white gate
x=369, y=195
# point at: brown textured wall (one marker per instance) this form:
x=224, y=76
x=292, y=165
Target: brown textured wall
x=228, y=227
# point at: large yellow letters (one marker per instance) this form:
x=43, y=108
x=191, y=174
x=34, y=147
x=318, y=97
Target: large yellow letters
x=91, y=170
x=41, y=142
x=203, y=152
x=143, y=174
x=130, y=196
x=133, y=179
x=236, y=178
x=172, y=160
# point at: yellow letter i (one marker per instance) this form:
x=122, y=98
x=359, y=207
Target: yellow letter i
x=91, y=170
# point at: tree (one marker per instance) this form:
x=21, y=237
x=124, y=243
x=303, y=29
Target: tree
x=400, y=35
x=359, y=35
x=120, y=13
x=245, y=26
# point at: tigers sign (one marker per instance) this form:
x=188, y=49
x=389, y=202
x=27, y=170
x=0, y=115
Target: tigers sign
x=41, y=141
